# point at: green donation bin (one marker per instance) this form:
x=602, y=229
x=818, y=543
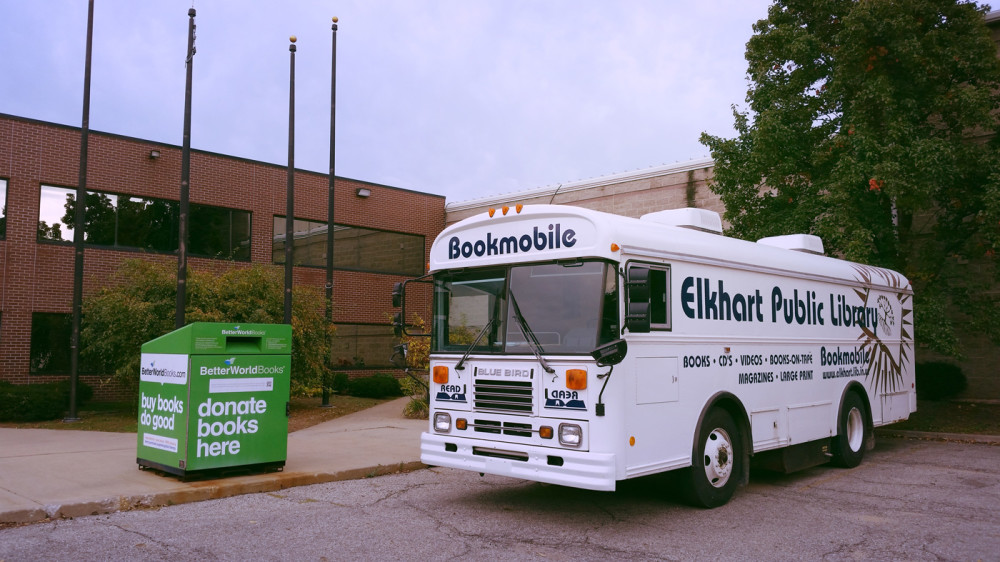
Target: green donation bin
x=214, y=396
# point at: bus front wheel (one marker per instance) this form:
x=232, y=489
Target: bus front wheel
x=718, y=465
x=850, y=443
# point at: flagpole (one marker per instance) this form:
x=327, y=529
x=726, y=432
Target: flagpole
x=329, y=208
x=182, y=233
x=290, y=188
x=79, y=219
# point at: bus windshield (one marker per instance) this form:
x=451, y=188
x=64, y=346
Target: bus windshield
x=557, y=308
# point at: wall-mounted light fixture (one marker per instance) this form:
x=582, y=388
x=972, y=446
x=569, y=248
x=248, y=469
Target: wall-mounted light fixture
x=363, y=192
x=154, y=154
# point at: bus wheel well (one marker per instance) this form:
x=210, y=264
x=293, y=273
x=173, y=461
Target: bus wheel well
x=732, y=405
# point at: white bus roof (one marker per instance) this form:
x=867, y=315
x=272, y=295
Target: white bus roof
x=534, y=233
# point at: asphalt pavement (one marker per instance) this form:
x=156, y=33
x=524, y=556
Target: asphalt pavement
x=52, y=473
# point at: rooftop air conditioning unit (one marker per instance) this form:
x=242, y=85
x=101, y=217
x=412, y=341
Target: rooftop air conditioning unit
x=695, y=219
x=799, y=242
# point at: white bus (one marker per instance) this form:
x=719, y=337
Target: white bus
x=581, y=348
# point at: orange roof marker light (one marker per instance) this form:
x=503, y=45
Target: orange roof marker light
x=518, y=208
x=505, y=209
x=615, y=247
x=492, y=212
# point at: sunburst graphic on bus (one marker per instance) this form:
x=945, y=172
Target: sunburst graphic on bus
x=886, y=367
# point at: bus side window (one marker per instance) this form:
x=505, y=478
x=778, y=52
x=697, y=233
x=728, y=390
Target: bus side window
x=659, y=303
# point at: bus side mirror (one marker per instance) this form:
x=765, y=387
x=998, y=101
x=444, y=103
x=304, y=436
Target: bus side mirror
x=611, y=353
x=399, y=301
x=637, y=314
x=397, y=295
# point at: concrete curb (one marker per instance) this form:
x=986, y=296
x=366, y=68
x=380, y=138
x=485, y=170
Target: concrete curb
x=957, y=437
x=201, y=491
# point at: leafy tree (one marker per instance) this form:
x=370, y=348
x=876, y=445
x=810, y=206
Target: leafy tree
x=139, y=306
x=868, y=125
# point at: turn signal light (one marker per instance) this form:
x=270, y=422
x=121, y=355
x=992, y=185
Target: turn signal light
x=441, y=374
x=576, y=379
x=615, y=247
x=545, y=432
x=461, y=423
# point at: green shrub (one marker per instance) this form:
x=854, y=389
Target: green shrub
x=38, y=402
x=415, y=386
x=416, y=409
x=139, y=305
x=939, y=381
x=341, y=383
x=381, y=385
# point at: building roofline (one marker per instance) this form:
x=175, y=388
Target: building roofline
x=579, y=185
x=209, y=153
x=992, y=17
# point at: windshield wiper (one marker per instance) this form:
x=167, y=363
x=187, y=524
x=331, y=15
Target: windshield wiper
x=486, y=328
x=529, y=336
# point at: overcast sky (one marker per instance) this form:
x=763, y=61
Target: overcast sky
x=462, y=98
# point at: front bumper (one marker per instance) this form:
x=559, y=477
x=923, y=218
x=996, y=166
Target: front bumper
x=578, y=469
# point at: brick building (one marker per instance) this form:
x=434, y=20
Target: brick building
x=382, y=235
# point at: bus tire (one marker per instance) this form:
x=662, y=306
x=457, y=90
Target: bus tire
x=718, y=465
x=852, y=432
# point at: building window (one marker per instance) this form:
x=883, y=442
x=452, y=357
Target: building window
x=140, y=223
x=354, y=248
x=115, y=221
x=217, y=232
x=363, y=346
x=50, y=340
x=3, y=208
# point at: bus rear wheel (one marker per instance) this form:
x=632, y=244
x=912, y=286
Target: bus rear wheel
x=852, y=433
x=718, y=465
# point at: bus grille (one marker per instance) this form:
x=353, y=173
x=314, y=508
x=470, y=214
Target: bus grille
x=504, y=396
x=507, y=428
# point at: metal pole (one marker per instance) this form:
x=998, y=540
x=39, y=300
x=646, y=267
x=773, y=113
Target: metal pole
x=79, y=218
x=329, y=209
x=182, y=232
x=290, y=189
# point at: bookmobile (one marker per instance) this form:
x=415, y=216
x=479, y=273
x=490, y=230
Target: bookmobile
x=580, y=348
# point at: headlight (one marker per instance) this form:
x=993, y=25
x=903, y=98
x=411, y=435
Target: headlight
x=570, y=435
x=442, y=422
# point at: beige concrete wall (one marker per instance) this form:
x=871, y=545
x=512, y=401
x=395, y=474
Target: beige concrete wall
x=630, y=194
